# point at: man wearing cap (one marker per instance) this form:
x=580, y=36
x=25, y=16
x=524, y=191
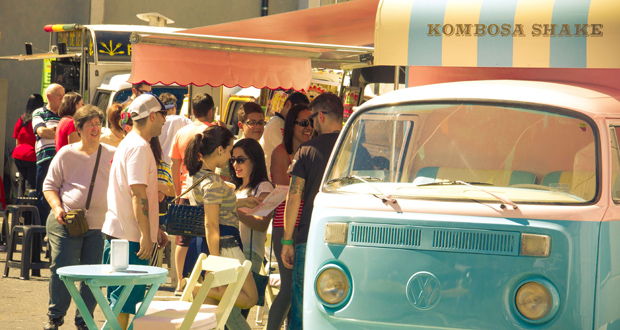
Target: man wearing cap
x=306, y=173
x=133, y=212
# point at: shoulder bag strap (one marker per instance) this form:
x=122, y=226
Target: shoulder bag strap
x=192, y=187
x=92, y=181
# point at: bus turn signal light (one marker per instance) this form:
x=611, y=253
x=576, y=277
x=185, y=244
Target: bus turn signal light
x=535, y=245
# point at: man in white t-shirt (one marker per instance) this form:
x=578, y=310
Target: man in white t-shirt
x=133, y=212
x=274, y=130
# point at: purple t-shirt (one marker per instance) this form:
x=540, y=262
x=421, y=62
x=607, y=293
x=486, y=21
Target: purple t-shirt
x=72, y=186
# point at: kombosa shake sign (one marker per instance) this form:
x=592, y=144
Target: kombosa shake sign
x=516, y=30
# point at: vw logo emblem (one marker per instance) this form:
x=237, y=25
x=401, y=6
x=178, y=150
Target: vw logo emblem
x=423, y=290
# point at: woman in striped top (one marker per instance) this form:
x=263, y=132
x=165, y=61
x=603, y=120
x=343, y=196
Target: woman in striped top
x=297, y=130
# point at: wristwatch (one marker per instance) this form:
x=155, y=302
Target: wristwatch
x=286, y=241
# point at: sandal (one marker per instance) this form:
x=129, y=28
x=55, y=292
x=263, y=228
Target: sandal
x=182, y=284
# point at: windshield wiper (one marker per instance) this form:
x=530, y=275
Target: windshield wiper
x=472, y=184
x=502, y=199
x=385, y=198
x=449, y=182
x=354, y=177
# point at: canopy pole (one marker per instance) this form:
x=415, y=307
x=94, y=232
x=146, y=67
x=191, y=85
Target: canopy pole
x=341, y=91
x=84, y=60
x=396, y=77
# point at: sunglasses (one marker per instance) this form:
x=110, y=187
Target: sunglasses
x=311, y=117
x=303, y=123
x=239, y=160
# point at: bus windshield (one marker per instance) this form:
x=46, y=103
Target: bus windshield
x=448, y=151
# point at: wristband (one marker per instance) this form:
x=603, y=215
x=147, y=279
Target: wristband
x=286, y=241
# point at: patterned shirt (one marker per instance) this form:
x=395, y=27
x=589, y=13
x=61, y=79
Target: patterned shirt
x=213, y=190
x=45, y=148
x=164, y=173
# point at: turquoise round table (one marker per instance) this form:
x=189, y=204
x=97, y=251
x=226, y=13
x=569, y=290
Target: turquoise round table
x=98, y=276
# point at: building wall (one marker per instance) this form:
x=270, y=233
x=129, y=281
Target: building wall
x=192, y=13
x=20, y=22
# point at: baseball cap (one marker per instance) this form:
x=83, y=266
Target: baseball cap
x=145, y=104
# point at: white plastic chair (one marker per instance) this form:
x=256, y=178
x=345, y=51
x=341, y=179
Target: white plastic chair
x=185, y=314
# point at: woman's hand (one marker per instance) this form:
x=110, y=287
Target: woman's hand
x=162, y=239
x=60, y=213
x=162, y=187
x=160, y=196
x=249, y=202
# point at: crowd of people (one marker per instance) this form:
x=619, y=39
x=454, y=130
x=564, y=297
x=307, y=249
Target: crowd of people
x=148, y=155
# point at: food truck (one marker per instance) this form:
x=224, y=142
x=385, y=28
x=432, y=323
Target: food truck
x=493, y=201
x=93, y=60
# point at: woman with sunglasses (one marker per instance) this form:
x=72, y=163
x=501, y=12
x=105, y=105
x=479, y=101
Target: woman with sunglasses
x=297, y=130
x=249, y=174
x=65, y=132
x=204, y=153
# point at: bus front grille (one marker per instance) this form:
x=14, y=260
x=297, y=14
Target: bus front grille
x=475, y=241
x=385, y=235
x=434, y=239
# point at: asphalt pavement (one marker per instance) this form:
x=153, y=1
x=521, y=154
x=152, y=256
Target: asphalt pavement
x=23, y=303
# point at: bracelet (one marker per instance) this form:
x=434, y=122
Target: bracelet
x=286, y=241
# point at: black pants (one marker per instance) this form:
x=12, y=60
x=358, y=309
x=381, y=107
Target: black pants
x=42, y=205
x=28, y=171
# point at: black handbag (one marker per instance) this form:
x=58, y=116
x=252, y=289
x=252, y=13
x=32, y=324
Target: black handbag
x=187, y=214
x=75, y=220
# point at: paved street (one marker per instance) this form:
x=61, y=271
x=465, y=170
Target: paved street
x=24, y=303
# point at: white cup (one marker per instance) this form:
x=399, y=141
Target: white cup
x=119, y=254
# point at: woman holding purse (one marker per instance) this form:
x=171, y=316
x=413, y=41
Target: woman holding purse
x=67, y=189
x=204, y=153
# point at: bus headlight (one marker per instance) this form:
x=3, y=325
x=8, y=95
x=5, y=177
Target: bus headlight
x=533, y=300
x=332, y=285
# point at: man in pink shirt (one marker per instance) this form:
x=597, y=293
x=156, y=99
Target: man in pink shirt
x=133, y=208
x=203, y=110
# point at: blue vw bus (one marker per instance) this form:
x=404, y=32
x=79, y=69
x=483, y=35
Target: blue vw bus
x=494, y=202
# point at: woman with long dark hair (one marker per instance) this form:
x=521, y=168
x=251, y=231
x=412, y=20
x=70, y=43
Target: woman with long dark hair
x=204, y=153
x=24, y=152
x=65, y=132
x=249, y=174
x=297, y=130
